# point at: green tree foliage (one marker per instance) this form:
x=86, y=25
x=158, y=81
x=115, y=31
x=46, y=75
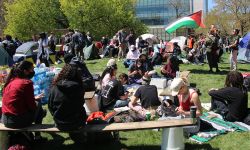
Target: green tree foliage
x=102, y=17
x=28, y=17
x=230, y=14
x=221, y=20
x=2, y=13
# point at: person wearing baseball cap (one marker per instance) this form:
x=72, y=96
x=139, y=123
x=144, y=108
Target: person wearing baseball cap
x=187, y=97
x=109, y=72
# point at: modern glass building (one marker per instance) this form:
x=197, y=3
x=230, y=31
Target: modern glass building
x=157, y=14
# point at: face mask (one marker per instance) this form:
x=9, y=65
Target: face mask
x=31, y=75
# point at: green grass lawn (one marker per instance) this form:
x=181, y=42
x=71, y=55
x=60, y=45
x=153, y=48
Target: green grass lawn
x=149, y=139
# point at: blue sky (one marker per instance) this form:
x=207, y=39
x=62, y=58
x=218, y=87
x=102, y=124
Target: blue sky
x=211, y=3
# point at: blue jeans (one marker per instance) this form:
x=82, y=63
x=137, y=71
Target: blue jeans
x=128, y=62
x=121, y=103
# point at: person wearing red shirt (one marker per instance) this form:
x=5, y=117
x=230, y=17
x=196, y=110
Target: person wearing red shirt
x=20, y=108
x=170, y=69
x=187, y=97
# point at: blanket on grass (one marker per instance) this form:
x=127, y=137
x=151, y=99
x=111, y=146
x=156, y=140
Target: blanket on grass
x=220, y=127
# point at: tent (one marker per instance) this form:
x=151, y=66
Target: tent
x=91, y=52
x=180, y=40
x=152, y=39
x=244, y=49
x=5, y=59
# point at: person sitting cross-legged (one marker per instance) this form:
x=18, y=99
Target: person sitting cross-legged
x=113, y=95
x=147, y=94
x=136, y=71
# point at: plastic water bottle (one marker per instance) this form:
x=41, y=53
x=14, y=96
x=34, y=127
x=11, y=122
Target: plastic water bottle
x=177, y=74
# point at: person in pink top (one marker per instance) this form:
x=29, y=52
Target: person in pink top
x=187, y=97
x=109, y=73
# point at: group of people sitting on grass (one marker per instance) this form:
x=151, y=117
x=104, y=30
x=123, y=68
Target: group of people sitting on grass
x=21, y=108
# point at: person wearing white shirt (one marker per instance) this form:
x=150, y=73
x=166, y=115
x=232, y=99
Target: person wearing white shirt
x=132, y=55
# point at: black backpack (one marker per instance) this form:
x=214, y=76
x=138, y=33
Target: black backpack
x=87, y=78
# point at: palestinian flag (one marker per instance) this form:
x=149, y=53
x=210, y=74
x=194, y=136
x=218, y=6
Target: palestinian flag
x=192, y=21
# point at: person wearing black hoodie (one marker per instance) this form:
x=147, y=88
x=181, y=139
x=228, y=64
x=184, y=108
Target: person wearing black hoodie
x=231, y=101
x=66, y=99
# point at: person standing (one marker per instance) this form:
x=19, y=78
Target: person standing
x=89, y=39
x=9, y=45
x=190, y=42
x=234, y=49
x=122, y=43
x=212, y=48
x=78, y=43
x=43, y=50
x=131, y=38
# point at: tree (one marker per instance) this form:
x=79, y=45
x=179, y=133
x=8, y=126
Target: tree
x=101, y=17
x=239, y=12
x=178, y=6
x=221, y=20
x=28, y=17
x=2, y=13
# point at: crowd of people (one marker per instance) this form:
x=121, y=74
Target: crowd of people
x=21, y=107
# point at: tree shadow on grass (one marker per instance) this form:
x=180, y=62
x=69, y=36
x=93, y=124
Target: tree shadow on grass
x=239, y=69
x=196, y=71
x=58, y=143
x=52, y=144
x=193, y=146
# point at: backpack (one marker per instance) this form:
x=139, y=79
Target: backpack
x=87, y=78
x=99, y=137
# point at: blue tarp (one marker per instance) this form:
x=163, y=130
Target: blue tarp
x=244, y=49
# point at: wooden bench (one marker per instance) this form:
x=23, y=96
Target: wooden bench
x=101, y=128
